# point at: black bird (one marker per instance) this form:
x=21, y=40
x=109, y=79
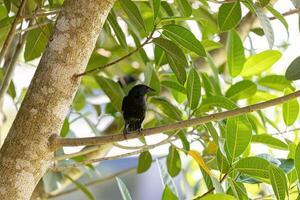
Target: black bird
x=134, y=108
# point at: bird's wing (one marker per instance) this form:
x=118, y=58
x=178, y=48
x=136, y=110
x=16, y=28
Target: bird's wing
x=125, y=99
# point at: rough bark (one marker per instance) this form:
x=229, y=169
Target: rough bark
x=25, y=155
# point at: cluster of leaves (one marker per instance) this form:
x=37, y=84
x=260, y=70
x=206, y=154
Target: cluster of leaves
x=184, y=91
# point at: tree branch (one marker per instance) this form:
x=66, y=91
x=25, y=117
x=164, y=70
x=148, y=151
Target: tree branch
x=290, y=12
x=144, y=148
x=120, y=59
x=12, y=30
x=57, y=142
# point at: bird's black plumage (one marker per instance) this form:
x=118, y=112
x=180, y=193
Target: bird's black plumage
x=134, y=107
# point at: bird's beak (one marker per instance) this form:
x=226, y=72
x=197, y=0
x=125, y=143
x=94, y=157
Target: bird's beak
x=150, y=89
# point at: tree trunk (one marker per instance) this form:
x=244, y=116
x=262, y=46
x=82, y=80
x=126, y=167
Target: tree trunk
x=25, y=155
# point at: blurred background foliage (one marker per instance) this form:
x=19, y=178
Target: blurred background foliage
x=201, y=57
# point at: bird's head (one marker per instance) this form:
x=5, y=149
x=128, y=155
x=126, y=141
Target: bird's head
x=140, y=90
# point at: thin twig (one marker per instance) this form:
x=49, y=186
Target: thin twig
x=86, y=162
x=57, y=142
x=29, y=28
x=120, y=59
x=94, y=182
x=12, y=30
x=213, y=188
x=42, y=14
x=290, y=12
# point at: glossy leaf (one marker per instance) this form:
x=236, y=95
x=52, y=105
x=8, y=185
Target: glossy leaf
x=278, y=16
x=297, y=160
x=133, y=13
x=65, y=128
x=167, y=108
x=266, y=25
x=36, y=42
x=241, y=90
x=175, y=57
x=168, y=194
x=112, y=19
x=278, y=182
x=235, y=53
x=184, y=140
x=166, y=178
x=253, y=166
x=112, y=90
x=229, y=15
x=152, y=79
x=260, y=62
x=184, y=7
x=290, y=110
x=238, y=135
x=218, y=197
x=184, y=37
x=145, y=161
x=275, y=82
x=222, y=162
x=293, y=70
x=173, y=161
x=82, y=188
x=193, y=89
x=123, y=189
x=269, y=141
x=238, y=189
x=174, y=86
x=198, y=158
x=155, y=8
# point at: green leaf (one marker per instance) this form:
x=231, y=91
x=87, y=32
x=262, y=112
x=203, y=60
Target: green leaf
x=79, y=100
x=133, y=13
x=222, y=162
x=238, y=135
x=81, y=187
x=269, y=141
x=229, y=15
x=275, y=82
x=179, y=71
x=293, y=71
x=260, y=62
x=215, y=101
x=166, y=178
x=112, y=19
x=174, y=86
x=263, y=3
x=210, y=45
x=155, y=8
x=266, y=25
x=278, y=16
x=290, y=110
x=123, y=189
x=175, y=57
x=112, y=90
x=184, y=37
x=173, y=161
x=184, y=141
x=65, y=128
x=159, y=56
x=145, y=160
x=36, y=42
x=235, y=53
x=218, y=197
x=297, y=160
x=253, y=166
x=167, y=108
x=241, y=90
x=168, y=194
x=151, y=79
x=278, y=182
x=238, y=189
x=193, y=89
x=184, y=7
